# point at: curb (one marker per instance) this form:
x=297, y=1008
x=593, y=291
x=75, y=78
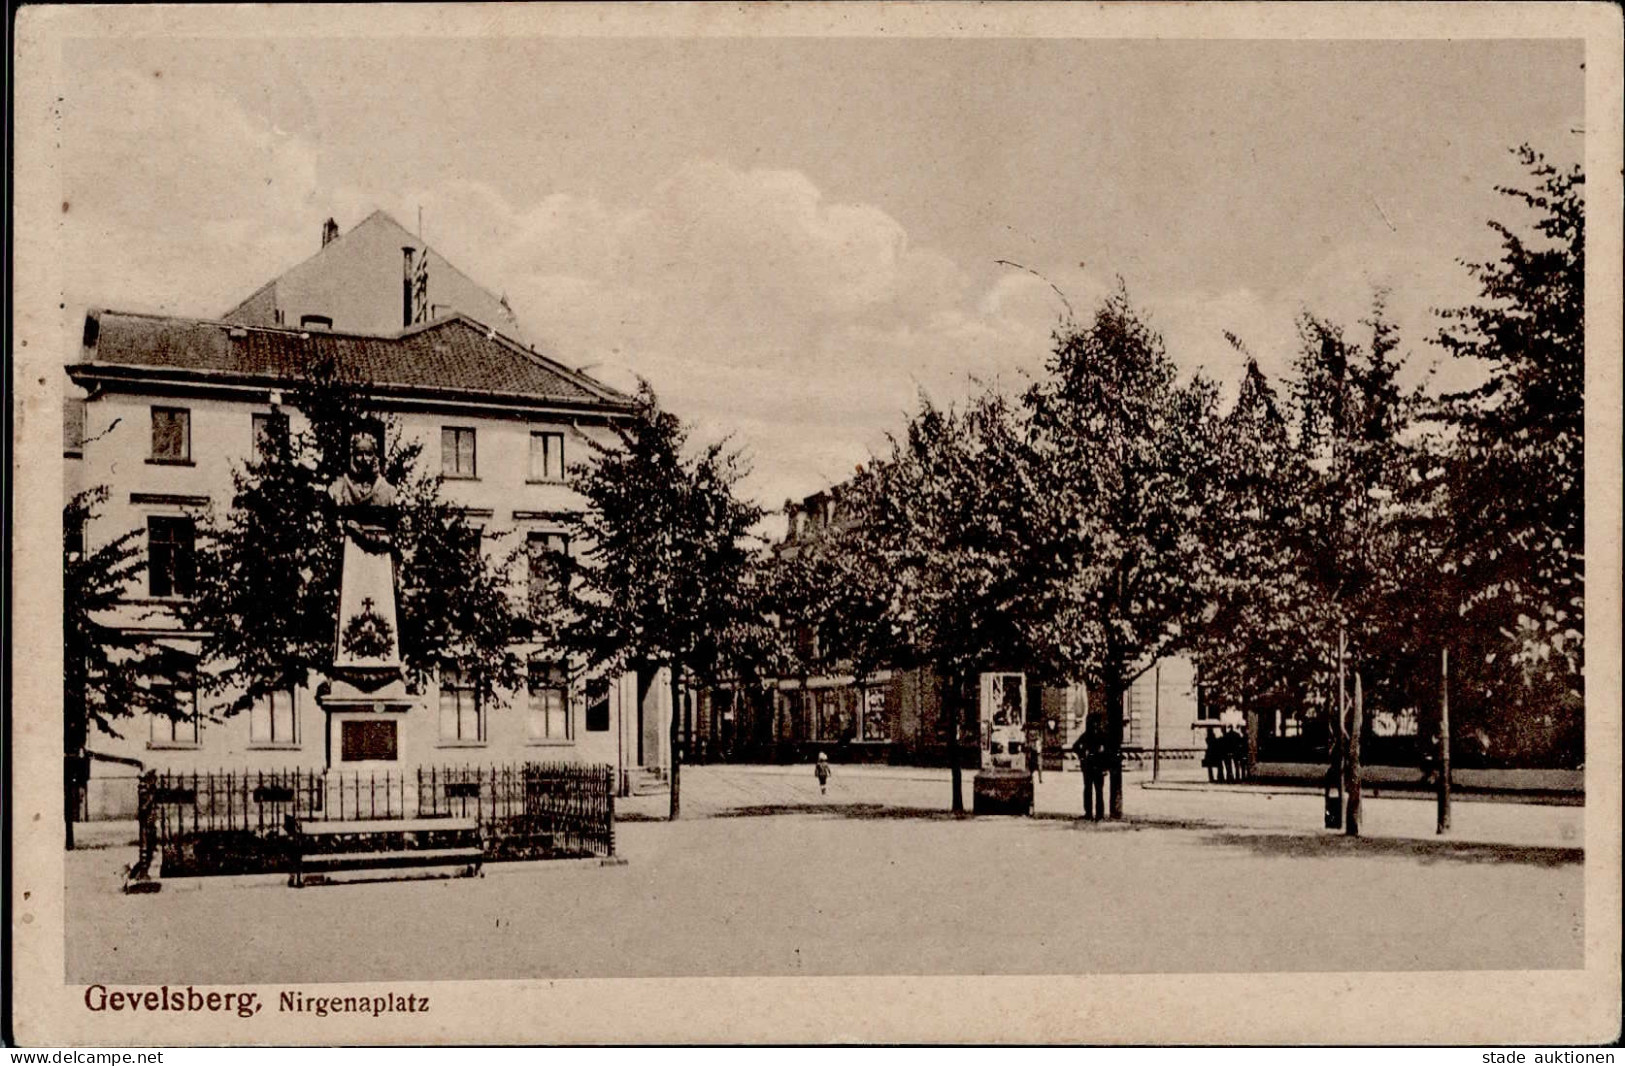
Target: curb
x=1419, y=795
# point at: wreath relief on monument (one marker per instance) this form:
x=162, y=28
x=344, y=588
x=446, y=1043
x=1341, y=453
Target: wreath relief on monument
x=367, y=634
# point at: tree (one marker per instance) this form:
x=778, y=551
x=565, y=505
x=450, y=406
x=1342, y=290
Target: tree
x=1249, y=644
x=1366, y=567
x=665, y=577
x=1508, y=471
x=939, y=545
x=109, y=672
x=282, y=532
x=1124, y=455
x=1516, y=478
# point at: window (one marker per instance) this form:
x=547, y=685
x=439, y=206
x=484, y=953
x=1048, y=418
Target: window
x=461, y=719
x=549, y=718
x=170, y=732
x=807, y=643
x=547, y=457
x=270, y=436
x=798, y=707
x=873, y=720
x=470, y=536
x=833, y=721
x=598, y=706
x=1207, y=709
x=174, y=718
x=272, y=721
x=171, y=556
x=366, y=740
x=543, y=552
x=171, y=435
x=456, y=452
x=73, y=426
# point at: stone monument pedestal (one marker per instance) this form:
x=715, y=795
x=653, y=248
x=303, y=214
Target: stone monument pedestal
x=364, y=725
x=1003, y=792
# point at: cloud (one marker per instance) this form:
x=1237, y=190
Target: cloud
x=803, y=327
x=1342, y=288
x=164, y=183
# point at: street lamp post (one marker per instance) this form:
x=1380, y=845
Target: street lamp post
x=1156, y=722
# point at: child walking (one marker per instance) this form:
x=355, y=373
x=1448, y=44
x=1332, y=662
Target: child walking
x=822, y=770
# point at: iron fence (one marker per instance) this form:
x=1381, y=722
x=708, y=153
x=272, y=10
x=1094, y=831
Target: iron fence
x=240, y=821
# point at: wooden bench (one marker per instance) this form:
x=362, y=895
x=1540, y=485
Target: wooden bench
x=323, y=847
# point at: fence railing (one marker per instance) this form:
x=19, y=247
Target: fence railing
x=240, y=819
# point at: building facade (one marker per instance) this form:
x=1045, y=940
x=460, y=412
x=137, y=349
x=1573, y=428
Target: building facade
x=162, y=409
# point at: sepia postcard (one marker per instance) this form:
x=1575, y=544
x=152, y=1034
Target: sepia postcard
x=815, y=524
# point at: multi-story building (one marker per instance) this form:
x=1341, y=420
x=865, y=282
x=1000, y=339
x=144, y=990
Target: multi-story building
x=162, y=409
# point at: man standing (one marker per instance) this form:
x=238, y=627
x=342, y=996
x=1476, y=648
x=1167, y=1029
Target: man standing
x=1090, y=748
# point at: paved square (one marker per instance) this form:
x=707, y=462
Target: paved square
x=874, y=879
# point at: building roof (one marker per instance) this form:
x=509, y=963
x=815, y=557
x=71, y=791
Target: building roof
x=381, y=232
x=447, y=358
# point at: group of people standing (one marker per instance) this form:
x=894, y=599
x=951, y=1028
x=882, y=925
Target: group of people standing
x=1226, y=756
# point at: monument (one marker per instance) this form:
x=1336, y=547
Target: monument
x=367, y=692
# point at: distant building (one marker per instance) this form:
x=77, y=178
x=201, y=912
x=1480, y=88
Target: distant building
x=163, y=408
x=897, y=716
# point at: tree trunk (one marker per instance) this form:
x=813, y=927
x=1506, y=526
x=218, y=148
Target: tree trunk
x=1356, y=726
x=1337, y=771
x=1444, y=742
x=1250, y=767
x=71, y=792
x=75, y=764
x=1114, y=737
x=953, y=705
x=675, y=730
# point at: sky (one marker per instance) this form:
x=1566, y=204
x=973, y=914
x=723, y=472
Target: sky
x=793, y=238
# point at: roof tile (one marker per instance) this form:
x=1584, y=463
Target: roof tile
x=454, y=353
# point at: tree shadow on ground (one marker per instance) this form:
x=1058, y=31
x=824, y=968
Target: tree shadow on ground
x=1310, y=844
x=866, y=811
x=1425, y=852
x=888, y=812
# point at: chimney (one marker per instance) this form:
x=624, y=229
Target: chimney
x=406, y=285
x=330, y=231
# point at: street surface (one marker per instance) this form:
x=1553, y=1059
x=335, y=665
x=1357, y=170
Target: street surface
x=764, y=875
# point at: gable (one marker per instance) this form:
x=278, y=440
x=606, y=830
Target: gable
x=355, y=281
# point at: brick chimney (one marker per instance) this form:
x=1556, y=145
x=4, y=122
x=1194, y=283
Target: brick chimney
x=330, y=230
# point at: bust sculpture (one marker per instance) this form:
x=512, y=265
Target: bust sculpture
x=366, y=502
